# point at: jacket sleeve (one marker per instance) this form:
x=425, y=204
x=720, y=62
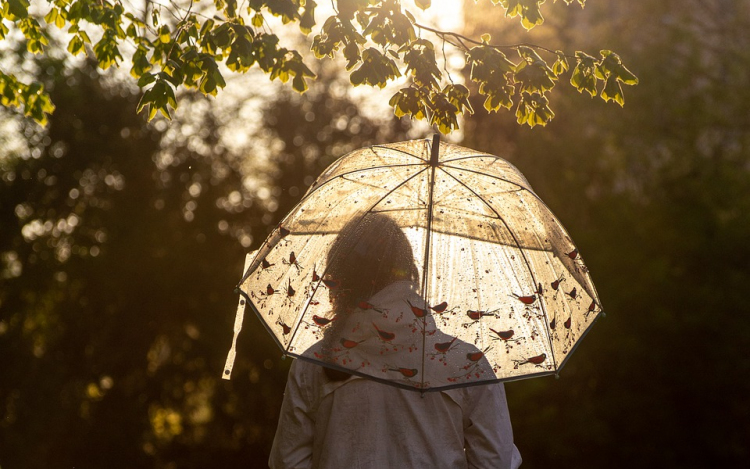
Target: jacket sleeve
x=488, y=435
x=293, y=443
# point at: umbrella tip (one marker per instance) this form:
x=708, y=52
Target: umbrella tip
x=435, y=149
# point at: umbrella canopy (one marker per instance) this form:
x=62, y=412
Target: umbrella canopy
x=425, y=265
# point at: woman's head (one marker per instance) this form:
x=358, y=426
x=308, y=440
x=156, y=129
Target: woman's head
x=369, y=254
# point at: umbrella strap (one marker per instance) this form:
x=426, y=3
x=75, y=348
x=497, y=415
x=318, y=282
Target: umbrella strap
x=244, y=299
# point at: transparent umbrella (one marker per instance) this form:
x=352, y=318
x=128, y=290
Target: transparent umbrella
x=424, y=265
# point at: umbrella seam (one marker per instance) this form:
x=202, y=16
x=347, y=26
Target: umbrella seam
x=521, y=186
x=337, y=176
x=386, y=147
x=423, y=390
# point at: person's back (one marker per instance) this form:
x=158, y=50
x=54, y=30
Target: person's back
x=359, y=423
x=335, y=420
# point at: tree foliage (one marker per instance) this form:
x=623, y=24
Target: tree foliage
x=191, y=44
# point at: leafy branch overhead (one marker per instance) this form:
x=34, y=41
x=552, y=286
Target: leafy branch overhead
x=192, y=44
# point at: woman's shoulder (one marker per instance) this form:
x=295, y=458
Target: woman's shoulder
x=311, y=378
x=469, y=397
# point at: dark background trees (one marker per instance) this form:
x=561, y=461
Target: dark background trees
x=121, y=244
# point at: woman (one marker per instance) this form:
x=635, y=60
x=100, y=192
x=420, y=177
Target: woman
x=331, y=419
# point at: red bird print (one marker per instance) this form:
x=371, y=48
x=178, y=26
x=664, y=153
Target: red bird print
x=350, y=343
x=475, y=315
x=527, y=300
x=289, y=290
x=264, y=264
x=440, y=308
x=407, y=372
x=283, y=231
x=572, y=254
x=321, y=321
x=445, y=346
x=384, y=335
x=315, y=277
x=556, y=284
x=292, y=261
x=505, y=335
x=286, y=329
x=572, y=293
x=475, y=356
x=537, y=360
x=418, y=312
x=567, y=323
x=270, y=290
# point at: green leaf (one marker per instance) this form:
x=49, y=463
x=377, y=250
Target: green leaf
x=533, y=109
x=19, y=9
x=423, y=4
x=32, y=98
x=35, y=37
x=146, y=79
x=408, y=101
x=584, y=78
x=612, y=65
x=211, y=79
x=561, y=64
x=164, y=34
x=493, y=71
x=444, y=113
x=158, y=99
x=613, y=91
x=533, y=72
x=140, y=62
x=458, y=95
x=53, y=16
x=307, y=18
x=421, y=64
x=75, y=46
x=106, y=50
x=352, y=55
x=376, y=69
x=528, y=10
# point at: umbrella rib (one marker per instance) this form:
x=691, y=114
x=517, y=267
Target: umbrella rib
x=398, y=150
x=467, y=157
x=523, y=254
x=489, y=175
x=358, y=171
x=434, y=155
x=325, y=271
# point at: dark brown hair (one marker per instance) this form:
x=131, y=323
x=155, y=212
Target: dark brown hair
x=368, y=254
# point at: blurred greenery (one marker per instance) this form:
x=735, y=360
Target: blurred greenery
x=121, y=241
